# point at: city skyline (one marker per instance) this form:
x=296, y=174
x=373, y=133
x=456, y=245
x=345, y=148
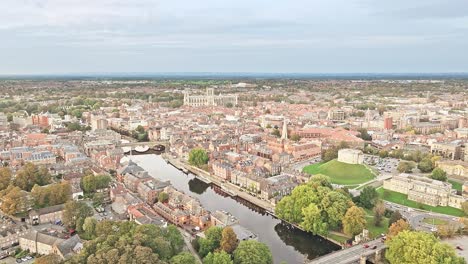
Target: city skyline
x=52, y=37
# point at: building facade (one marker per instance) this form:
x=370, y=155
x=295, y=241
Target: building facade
x=209, y=99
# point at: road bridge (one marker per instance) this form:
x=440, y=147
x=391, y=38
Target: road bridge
x=356, y=254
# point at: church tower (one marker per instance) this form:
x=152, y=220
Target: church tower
x=284, y=134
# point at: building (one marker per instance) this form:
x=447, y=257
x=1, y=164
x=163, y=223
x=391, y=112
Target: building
x=210, y=99
x=336, y=115
x=454, y=167
x=350, y=156
x=450, y=150
x=10, y=233
x=51, y=214
x=99, y=123
x=388, y=123
x=424, y=190
x=45, y=244
x=277, y=187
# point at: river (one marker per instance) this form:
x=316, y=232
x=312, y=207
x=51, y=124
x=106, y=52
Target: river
x=285, y=242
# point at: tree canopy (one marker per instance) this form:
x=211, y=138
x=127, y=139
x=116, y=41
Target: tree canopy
x=419, y=248
x=29, y=175
x=354, y=221
x=439, y=174
x=252, y=252
x=198, y=157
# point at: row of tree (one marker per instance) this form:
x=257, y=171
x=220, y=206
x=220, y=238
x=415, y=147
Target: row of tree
x=221, y=246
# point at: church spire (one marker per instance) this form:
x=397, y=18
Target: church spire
x=284, y=135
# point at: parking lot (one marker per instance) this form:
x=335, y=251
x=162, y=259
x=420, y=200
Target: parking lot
x=383, y=165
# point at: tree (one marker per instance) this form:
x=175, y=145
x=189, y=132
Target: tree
x=420, y=248
x=90, y=183
x=5, y=178
x=14, y=201
x=183, y=258
x=395, y=217
x=163, y=197
x=175, y=239
x=252, y=252
x=465, y=207
x=405, y=166
x=211, y=242
x=29, y=175
x=439, y=174
x=217, y=258
x=198, y=157
x=313, y=221
x=445, y=231
x=52, y=194
x=397, y=227
x=228, y=240
x=364, y=135
x=48, y=259
x=354, y=221
x=74, y=213
x=295, y=137
x=276, y=133
x=368, y=197
x=140, y=129
x=379, y=210
x=425, y=165
x=89, y=226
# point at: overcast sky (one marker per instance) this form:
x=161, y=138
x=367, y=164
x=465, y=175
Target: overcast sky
x=307, y=36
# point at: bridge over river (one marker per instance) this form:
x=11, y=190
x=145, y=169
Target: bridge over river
x=355, y=254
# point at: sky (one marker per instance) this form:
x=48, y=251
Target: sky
x=265, y=36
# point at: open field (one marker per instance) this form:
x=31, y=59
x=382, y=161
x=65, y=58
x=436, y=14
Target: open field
x=399, y=198
x=341, y=173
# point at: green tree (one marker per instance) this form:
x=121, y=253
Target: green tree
x=420, y=248
x=394, y=217
x=313, y=221
x=354, y=221
x=368, y=197
x=217, y=258
x=183, y=258
x=140, y=129
x=439, y=174
x=74, y=214
x=89, y=226
x=163, y=197
x=5, y=178
x=211, y=242
x=175, y=239
x=276, y=132
x=425, y=165
x=405, y=166
x=198, y=157
x=14, y=201
x=379, y=211
x=228, y=240
x=295, y=137
x=252, y=252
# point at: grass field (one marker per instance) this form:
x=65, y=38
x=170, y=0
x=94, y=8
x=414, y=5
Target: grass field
x=456, y=185
x=399, y=198
x=338, y=238
x=434, y=221
x=341, y=173
x=375, y=231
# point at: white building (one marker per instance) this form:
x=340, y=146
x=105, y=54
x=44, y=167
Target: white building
x=350, y=156
x=210, y=99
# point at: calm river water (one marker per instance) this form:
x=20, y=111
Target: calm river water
x=285, y=242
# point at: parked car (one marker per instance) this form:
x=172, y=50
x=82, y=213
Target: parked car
x=366, y=246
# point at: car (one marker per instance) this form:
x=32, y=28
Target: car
x=374, y=247
x=366, y=246
x=459, y=248
x=28, y=257
x=24, y=259
x=18, y=260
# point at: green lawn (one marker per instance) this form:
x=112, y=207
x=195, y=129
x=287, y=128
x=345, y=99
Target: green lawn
x=399, y=198
x=456, y=185
x=434, y=221
x=338, y=238
x=375, y=231
x=341, y=173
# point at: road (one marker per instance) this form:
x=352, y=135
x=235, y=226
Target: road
x=415, y=217
x=350, y=255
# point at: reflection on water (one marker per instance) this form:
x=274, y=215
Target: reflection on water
x=197, y=186
x=286, y=242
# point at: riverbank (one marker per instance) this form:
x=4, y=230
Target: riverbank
x=233, y=190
